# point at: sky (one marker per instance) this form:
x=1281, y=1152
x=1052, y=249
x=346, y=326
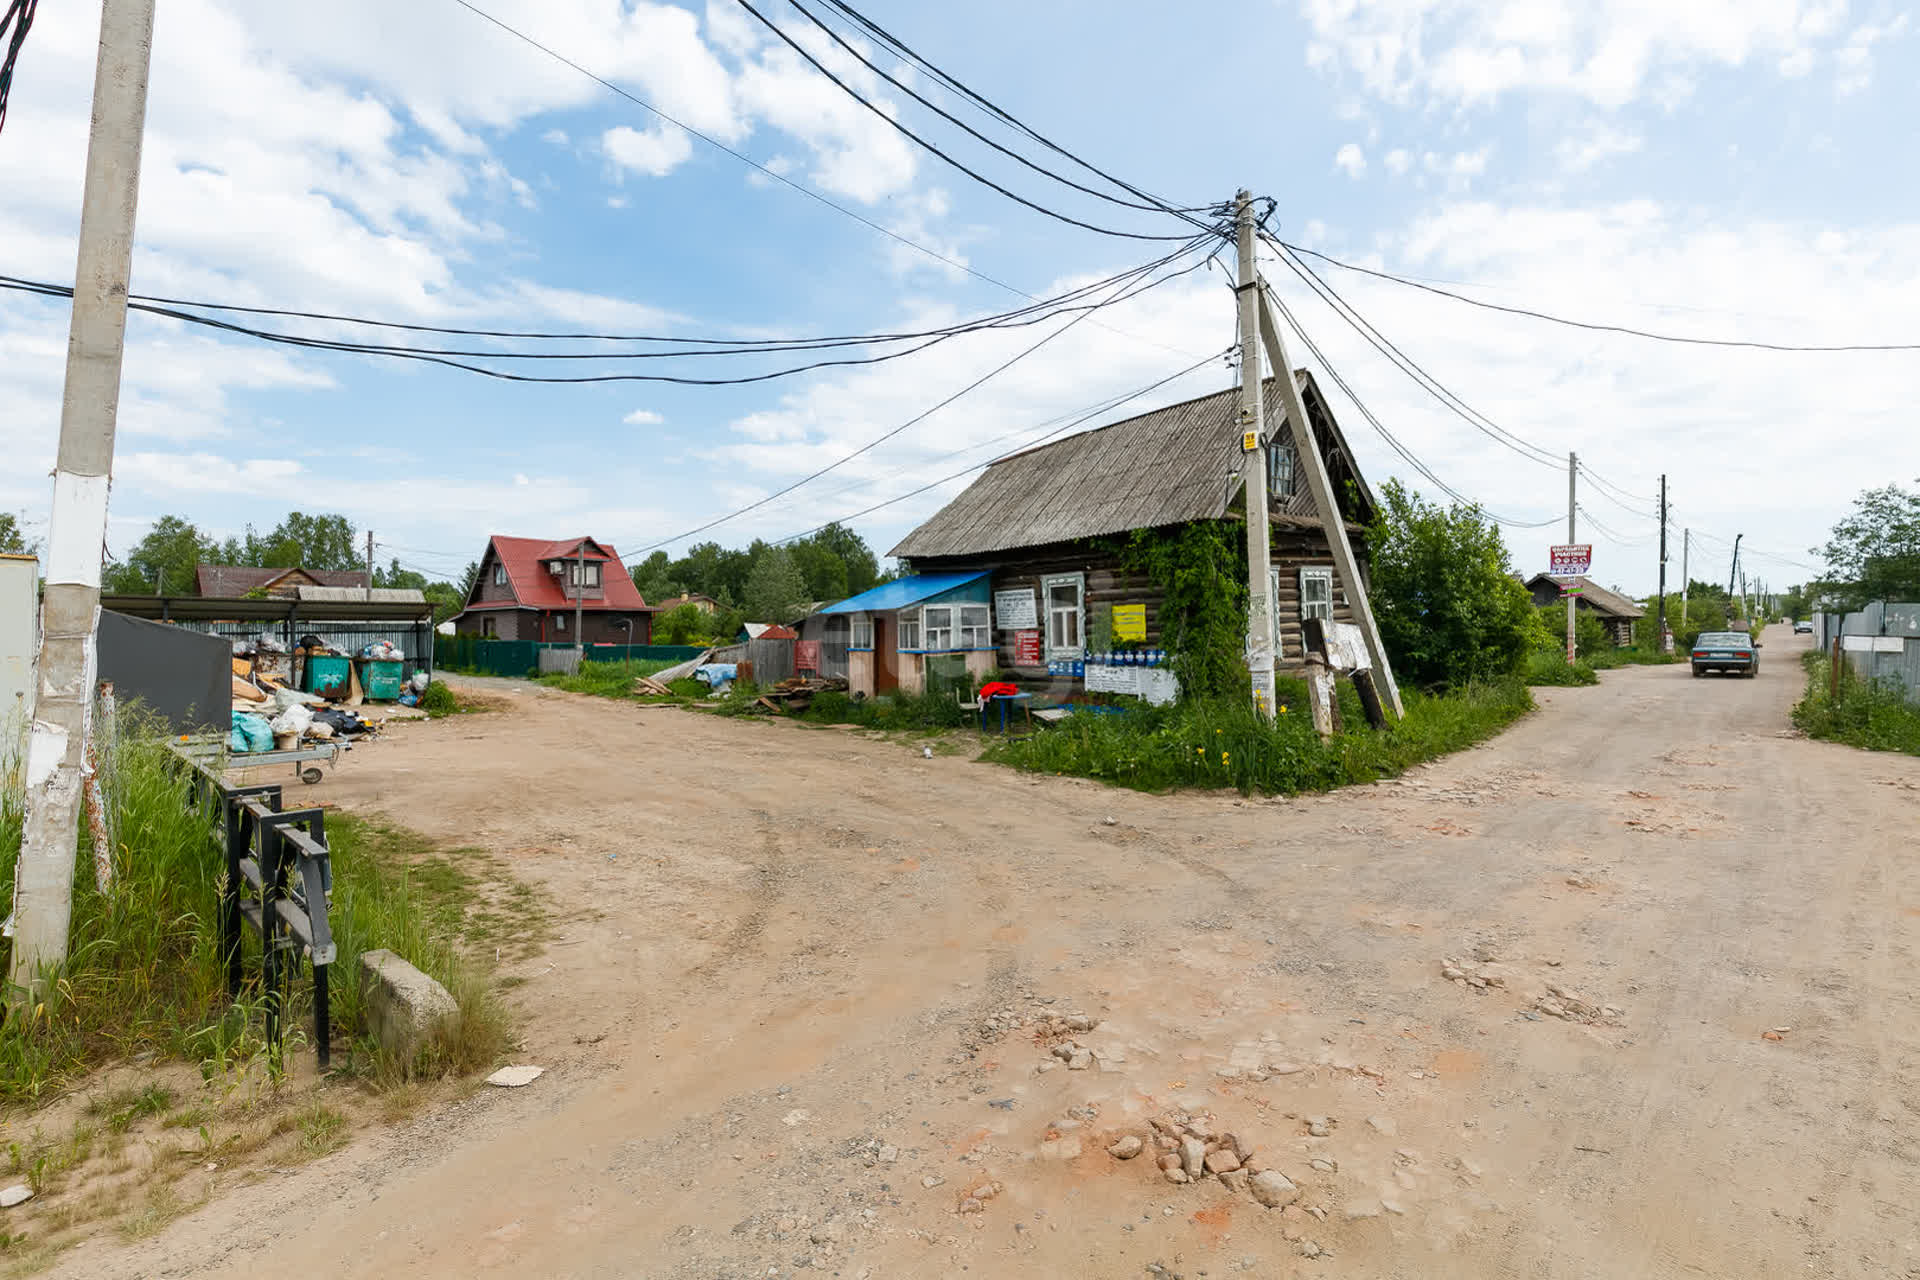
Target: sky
x=1740, y=169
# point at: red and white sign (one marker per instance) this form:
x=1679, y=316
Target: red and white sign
x=1026, y=649
x=1571, y=561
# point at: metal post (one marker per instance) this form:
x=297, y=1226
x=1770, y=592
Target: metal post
x=76, y=535
x=1573, y=469
x=1253, y=469
x=1660, y=632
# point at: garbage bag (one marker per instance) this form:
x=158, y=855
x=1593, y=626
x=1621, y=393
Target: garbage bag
x=419, y=681
x=294, y=719
x=249, y=732
x=284, y=698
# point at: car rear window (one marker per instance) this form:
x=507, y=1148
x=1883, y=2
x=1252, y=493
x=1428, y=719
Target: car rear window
x=1722, y=639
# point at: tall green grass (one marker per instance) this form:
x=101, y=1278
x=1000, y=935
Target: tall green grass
x=606, y=679
x=1873, y=715
x=1550, y=667
x=893, y=711
x=144, y=971
x=1226, y=744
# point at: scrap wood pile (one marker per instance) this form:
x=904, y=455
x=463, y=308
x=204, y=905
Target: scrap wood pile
x=796, y=693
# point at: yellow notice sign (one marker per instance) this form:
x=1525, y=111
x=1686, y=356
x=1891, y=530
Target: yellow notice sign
x=1249, y=441
x=1129, y=622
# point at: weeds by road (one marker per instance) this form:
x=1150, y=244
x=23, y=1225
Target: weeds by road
x=1225, y=744
x=1871, y=715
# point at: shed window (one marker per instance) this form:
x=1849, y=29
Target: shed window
x=863, y=631
x=1280, y=470
x=909, y=632
x=1066, y=596
x=1316, y=593
x=499, y=574
x=975, y=631
x=939, y=623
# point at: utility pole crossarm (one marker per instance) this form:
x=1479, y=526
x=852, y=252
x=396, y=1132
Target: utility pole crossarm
x=1313, y=463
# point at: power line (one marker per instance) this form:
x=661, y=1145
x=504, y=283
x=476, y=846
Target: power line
x=1623, y=540
x=19, y=16
x=1605, y=328
x=927, y=146
x=917, y=418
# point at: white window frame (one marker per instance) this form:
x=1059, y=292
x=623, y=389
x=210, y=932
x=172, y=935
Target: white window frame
x=559, y=623
x=590, y=570
x=1279, y=645
x=1312, y=608
x=1060, y=649
x=976, y=626
x=499, y=574
x=939, y=634
x=1275, y=452
x=908, y=640
x=862, y=631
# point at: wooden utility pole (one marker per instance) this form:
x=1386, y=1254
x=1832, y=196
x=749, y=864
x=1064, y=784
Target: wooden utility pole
x=1660, y=632
x=1310, y=459
x=1253, y=467
x=76, y=533
x=1573, y=469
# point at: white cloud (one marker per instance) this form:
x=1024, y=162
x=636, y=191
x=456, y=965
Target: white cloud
x=171, y=474
x=1853, y=63
x=653, y=153
x=558, y=137
x=643, y=418
x=1607, y=52
x=1600, y=141
x=1398, y=161
x=1350, y=160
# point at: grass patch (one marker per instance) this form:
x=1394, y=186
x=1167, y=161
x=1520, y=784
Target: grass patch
x=911, y=712
x=1225, y=743
x=1612, y=658
x=1871, y=715
x=322, y=1129
x=611, y=679
x=127, y=1107
x=1550, y=667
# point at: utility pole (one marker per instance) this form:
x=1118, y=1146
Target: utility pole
x=76, y=534
x=1573, y=469
x=369, y=564
x=579, y=593
x=1734, y=568
x=1686, y=571
x=1327, y=503
x=1253, y=466
x=1660, y=632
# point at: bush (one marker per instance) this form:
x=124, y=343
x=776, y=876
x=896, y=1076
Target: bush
x=905, y=711
x=1224, y=743
x=438, y=700
x=607, y=679
x=1872, y=715
x=1550, y=667
x=1590, y=636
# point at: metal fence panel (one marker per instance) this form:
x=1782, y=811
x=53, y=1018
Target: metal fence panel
x=772, y=660
x=1896, y=656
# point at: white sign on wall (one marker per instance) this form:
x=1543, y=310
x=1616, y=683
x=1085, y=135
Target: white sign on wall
x=1015, y=611
x=1156, y=684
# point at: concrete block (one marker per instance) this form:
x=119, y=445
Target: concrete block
x=404, y=1006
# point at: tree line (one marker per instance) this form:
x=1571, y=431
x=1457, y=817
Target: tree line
x=762, y=582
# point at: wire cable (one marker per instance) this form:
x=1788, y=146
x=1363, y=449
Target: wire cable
x=913, y=421
x=927, y=146
x=1606, y=328
x=19, y=16
x=1620, y=538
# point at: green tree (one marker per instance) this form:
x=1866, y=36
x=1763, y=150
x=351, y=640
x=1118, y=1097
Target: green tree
x=163, y=562
x=683, y=624
x=775, y=591
x=305, y=542
x=468, y=577
x=824, y=572
x=653, y=579
x=852, y=551
x=1590, y=635
x=710, y=569
x=1449, y=607
x=13, y=540
x=1874, y=552
x=401, y=579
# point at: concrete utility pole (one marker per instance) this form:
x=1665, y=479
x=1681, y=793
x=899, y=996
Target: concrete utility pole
x=1734, y=568
x=1253, y=467
x=579, y=594
x=1573, y=468
x=1310, y=460
x=1686, y=571
x=1660, y=632
x=76, y=534
x=369, y=594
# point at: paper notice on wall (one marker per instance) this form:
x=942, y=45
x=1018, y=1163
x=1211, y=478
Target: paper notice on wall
x=1129, y=622
x=1015, y=610
x=1155, y=684
x=1026, y=648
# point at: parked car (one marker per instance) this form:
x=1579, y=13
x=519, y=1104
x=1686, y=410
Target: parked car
x=1804, y=627
x=1728, y=652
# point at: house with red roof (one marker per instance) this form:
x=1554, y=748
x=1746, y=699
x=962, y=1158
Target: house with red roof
x=528, y=589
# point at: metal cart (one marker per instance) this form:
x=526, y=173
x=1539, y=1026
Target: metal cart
x=201, y=750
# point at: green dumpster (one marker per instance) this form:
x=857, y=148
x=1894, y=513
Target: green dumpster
x=327, y=675
x=380, y=681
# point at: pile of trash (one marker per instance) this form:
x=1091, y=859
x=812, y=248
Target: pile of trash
x=291, y=717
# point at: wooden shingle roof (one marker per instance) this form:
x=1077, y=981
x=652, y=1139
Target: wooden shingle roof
x=1171, y=466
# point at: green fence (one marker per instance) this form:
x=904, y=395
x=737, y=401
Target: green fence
x=519, y=657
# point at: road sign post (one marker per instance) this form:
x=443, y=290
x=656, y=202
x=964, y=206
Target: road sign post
x=1569, y=564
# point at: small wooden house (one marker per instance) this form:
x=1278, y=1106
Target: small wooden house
x=1020, y=573
x=1616, y=613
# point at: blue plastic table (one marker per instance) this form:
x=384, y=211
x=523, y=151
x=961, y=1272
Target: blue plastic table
x=1004, y=699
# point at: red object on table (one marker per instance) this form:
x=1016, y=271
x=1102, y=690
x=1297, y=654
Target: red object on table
x=998, y=689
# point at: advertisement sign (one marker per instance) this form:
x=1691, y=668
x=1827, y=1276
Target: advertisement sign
x=1015, y=610
x=1129, y=622
x=1026, y=648
x=1571, y=561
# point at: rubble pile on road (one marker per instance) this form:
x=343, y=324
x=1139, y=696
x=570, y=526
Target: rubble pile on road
x=1469, y=974
x=1564, y=1002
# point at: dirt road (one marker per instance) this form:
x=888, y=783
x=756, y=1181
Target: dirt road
x=772, y=1021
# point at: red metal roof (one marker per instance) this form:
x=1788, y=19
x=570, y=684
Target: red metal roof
x=533, y=587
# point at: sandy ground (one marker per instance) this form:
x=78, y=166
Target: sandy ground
x=772, y=1019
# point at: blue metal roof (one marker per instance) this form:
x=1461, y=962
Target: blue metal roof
x=902, y=592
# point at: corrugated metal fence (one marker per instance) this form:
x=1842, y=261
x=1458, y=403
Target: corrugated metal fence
x=348, y=637
x=1881, y=642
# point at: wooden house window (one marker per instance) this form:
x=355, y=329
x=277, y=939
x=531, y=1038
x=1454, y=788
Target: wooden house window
x=489, y=627
x=1065, y=595
x=909, y=632
x=975, y=631
x=939, y=623
x=1316, y=594
x=591, y=569
x=559, y=622
x=499, y=574
x=863, y=632
x=1279, y=470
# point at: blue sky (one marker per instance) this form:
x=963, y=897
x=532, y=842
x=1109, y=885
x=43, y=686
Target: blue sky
x=1720, y=169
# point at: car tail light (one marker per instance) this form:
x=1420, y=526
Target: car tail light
x=1699, y=653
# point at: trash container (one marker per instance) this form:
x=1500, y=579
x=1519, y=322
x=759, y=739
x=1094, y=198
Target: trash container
x=380, y=680
x=328, y=675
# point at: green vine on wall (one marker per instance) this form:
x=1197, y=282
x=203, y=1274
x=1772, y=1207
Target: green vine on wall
x=1201, y=572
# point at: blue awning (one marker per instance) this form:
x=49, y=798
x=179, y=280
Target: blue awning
x=902, y=592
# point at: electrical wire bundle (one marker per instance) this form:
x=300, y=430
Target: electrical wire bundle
x=18, y=17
